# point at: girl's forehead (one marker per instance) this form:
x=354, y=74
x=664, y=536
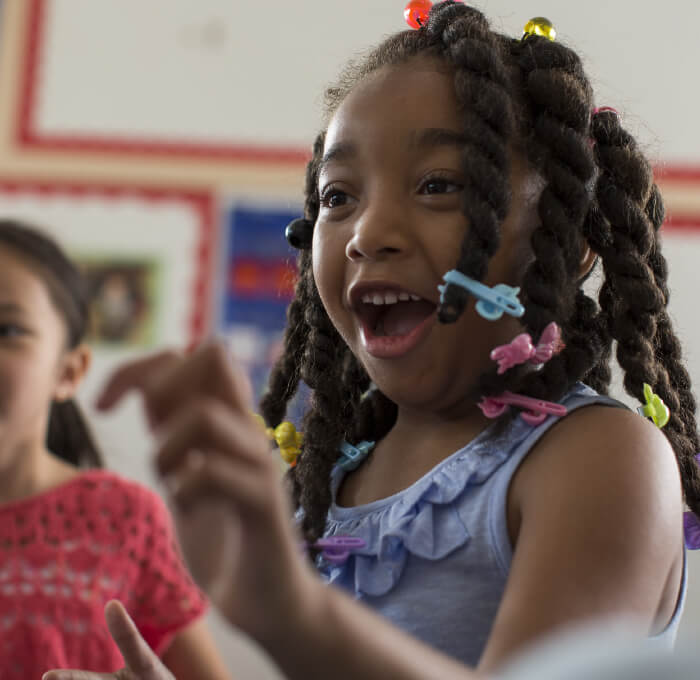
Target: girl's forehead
x=22, y=283
x=16, y=270
x=419, y=92
x=414, y=74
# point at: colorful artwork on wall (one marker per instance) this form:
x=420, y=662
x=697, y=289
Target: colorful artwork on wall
x=259, y=278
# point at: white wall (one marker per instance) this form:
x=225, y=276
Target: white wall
x=253, y=72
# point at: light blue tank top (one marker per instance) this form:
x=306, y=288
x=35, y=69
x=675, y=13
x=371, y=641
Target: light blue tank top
x=438, y=553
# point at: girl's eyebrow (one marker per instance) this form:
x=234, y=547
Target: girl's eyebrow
x=420, y=140
x=342, y=151
x=11, y=307
x=430, y=138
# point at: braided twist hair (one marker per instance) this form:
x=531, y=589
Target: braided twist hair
x=647, y=348
x=531, y=95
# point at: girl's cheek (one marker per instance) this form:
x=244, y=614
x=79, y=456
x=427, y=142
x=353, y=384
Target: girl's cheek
x=24, y=388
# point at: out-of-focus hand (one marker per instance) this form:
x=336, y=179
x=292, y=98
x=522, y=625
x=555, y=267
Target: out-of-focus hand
x=232, y=515
x=140, y=662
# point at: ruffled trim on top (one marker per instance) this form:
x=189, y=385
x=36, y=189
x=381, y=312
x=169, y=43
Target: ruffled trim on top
x=422, y=520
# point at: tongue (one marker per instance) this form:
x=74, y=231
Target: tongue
x=402, y=317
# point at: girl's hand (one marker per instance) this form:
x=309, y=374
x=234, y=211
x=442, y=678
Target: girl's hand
x=233, y=518
x=141, y=663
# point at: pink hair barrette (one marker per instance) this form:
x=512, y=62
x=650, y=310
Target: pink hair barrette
x=521, y=349
x=534, y=410
x=337, y=549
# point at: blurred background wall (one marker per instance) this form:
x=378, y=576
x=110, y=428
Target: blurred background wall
x=164, y=143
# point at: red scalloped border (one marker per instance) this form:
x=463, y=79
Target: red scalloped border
x=27, y=135
x=203, y=204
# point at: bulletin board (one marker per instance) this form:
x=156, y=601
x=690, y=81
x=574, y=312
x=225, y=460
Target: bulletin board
x=160, y=241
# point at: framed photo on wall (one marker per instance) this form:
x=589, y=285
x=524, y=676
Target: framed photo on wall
x=126, y=293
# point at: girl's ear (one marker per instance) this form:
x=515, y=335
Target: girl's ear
x=74, y=365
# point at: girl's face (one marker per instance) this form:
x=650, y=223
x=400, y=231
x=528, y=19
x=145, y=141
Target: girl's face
x=35, y=367
x=390, y=226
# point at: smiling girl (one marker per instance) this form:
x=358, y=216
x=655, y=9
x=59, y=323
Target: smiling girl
x=72, y=535
x=459, y=434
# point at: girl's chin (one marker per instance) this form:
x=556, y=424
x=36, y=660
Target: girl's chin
x=431, y=390
x=408, y=393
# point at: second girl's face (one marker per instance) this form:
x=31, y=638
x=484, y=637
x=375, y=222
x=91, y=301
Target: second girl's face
x=32, y=344
x=390, y=226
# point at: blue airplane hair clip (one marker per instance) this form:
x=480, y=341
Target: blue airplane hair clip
x=493, y=302
x=351, y=456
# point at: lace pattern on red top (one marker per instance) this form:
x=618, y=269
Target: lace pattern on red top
x=65, y=553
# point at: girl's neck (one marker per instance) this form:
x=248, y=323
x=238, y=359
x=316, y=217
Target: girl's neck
x=415, y=445
x=419, y=440
x=419, y=431
x=30, y=471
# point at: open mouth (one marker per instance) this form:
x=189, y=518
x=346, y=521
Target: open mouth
x=392, y=320
x=393, y=313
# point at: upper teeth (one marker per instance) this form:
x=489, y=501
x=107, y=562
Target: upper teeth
x=388, y=298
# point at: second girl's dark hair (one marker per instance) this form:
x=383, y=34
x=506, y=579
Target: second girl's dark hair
x=599, y=192
x=68, y=435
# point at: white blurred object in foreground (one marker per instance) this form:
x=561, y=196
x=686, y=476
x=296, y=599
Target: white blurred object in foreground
x=606, y=651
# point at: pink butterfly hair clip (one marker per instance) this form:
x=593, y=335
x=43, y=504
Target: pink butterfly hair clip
x=521, y=349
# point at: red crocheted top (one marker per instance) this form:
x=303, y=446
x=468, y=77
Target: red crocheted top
x=66, y=552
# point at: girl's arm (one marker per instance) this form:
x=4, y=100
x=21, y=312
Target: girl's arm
x=192, y=654
x=345, y=640
x=350, y=643
x=597, y=511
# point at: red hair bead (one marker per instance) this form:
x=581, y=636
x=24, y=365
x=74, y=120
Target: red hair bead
x=416, y=12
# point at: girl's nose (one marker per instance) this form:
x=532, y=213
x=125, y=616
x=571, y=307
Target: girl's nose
x=380, y=232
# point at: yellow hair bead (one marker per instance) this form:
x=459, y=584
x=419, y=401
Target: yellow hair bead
x=540, y=26
x=285, y=434
x=289, y=456
x=286, y=437
x=654, y=407
x=288, y=441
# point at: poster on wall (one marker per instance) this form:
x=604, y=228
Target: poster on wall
x=259, y=278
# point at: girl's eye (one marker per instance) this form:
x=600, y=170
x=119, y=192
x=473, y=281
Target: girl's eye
x=333, y=198
x=440, y=185
x=10, y=330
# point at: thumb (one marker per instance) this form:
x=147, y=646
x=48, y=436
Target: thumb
x=139, y=658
